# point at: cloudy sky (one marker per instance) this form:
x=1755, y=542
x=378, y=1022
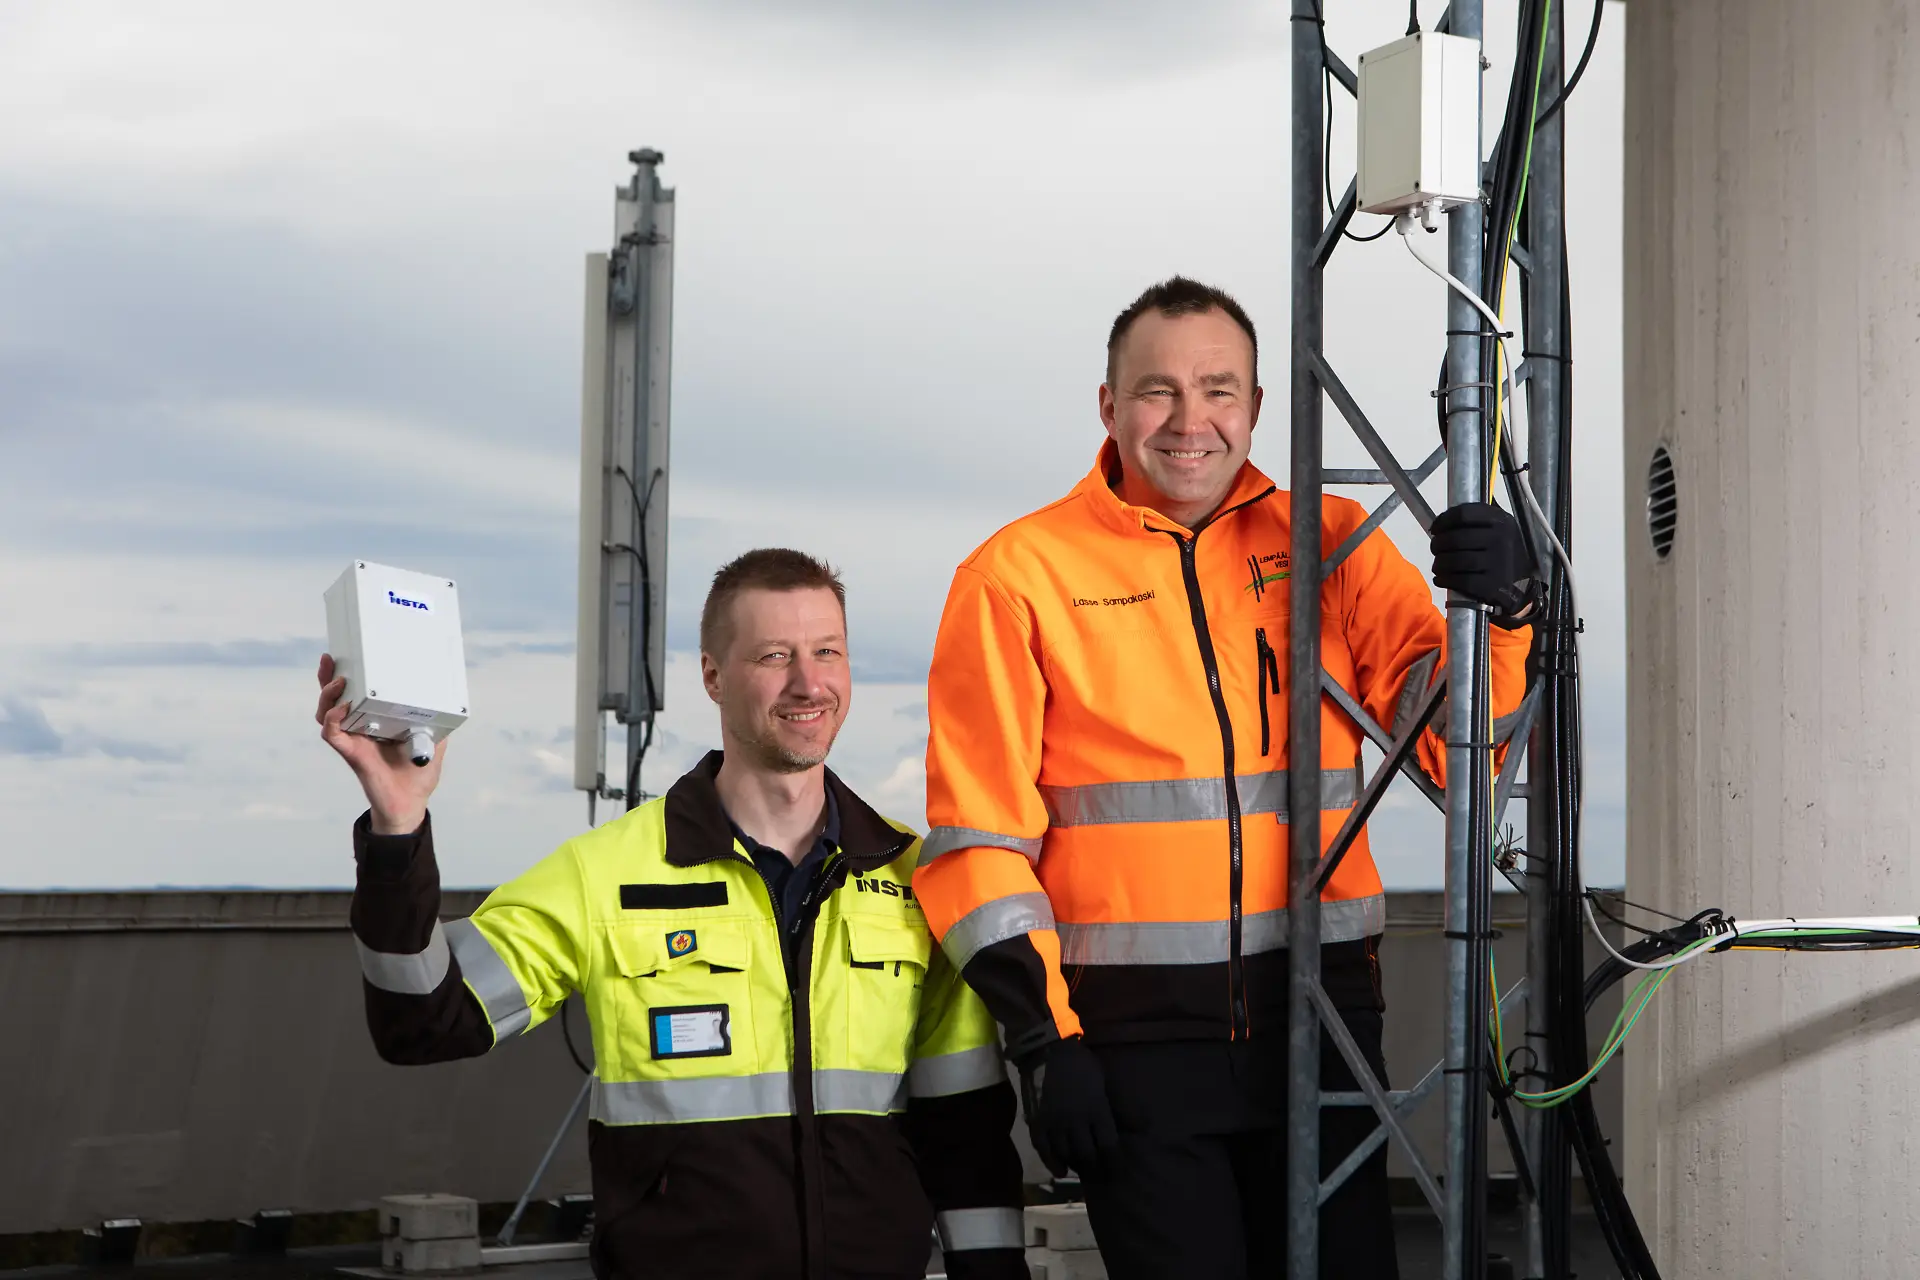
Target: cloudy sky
x=281, y=287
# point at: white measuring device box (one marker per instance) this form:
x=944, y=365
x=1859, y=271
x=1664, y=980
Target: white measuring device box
x=395, y=636
x=1419, y=145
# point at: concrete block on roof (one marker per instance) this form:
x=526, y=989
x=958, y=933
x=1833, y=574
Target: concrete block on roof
x=429, y=1217
x=1061, y=1227
x=425, y=1257
x=1072, y=1264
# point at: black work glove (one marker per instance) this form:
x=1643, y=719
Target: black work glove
x=1478, y=552
x=1064, y=1093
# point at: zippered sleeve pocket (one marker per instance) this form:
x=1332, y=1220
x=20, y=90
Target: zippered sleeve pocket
x=1269, y=664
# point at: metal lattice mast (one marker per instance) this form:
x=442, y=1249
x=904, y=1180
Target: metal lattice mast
x=1475, y=799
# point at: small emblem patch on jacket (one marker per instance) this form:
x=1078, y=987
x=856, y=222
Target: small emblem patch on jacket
x=690, y=1031
x=680, y=942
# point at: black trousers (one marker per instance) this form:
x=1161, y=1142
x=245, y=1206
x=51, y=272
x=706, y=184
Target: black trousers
x=1200, y=1189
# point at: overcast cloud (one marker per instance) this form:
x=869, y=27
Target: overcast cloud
x=281, y=288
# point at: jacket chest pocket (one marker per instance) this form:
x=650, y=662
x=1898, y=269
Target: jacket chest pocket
x=886, y=967
x=682, y=993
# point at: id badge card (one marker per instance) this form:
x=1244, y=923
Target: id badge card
x=690, y=1031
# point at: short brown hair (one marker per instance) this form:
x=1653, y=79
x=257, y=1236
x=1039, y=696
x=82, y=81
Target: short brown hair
x=765, y=569
x=1179, y=296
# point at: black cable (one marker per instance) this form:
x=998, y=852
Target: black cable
x=1506, y=191
x=1639, y=906
x=566, y=1031
x=1569, y=1053
x=1506, y=170
x=633, y=768
x=1570, y=991
x=645, y=587
x=1413, y=17
x=1502, y=1099
x=1580, y=68
x=1600, y=906
x=1326, y=141
x=1326, y=148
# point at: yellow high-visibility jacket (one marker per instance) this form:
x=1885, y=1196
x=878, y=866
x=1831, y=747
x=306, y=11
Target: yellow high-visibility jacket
x=745, y=1120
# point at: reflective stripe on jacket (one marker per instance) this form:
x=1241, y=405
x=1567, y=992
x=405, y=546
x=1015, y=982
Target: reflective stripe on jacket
x=1107, y=766
x=744, y=1121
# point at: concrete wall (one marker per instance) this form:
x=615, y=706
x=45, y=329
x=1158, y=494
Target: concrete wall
x=1773, y=343
x=188, y=1056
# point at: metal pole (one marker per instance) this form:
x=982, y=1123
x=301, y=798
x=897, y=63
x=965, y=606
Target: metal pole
x=1468, y=800
x=1303, y=662
x=553, y=1148
x=648, y=248
x=639, y=709
x=1549, y=1216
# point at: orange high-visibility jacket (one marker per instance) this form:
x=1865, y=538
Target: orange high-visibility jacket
x=1099, y=674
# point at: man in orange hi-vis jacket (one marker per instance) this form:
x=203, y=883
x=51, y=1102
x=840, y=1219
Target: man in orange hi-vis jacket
x=1107, y=788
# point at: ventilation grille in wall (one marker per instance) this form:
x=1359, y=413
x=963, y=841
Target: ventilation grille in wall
x=1663, y=502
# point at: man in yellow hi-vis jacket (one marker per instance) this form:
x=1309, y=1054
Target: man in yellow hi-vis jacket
x=792, y=1080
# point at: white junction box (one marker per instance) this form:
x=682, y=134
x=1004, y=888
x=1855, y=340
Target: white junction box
x=1419, y=124
x=395, y=636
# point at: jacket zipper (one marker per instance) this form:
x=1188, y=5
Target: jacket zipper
x=800, y=986
x=812, y=1161
x=1190, y=573
x=1268, y=662
x=799, y=971
x=1236, y=969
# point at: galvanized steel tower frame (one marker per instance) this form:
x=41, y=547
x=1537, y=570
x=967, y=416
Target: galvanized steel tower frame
x=1457, y=1195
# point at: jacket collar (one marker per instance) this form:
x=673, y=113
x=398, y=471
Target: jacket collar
x=1097, y=488
x=698, y=831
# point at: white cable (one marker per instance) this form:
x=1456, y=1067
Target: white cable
x=1405, y=224
x=1851, y=924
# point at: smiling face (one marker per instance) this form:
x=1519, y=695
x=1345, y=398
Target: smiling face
x=1181, y=407
x=781, y=682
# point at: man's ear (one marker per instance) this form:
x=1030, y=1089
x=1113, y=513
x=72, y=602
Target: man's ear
x=710, y=675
